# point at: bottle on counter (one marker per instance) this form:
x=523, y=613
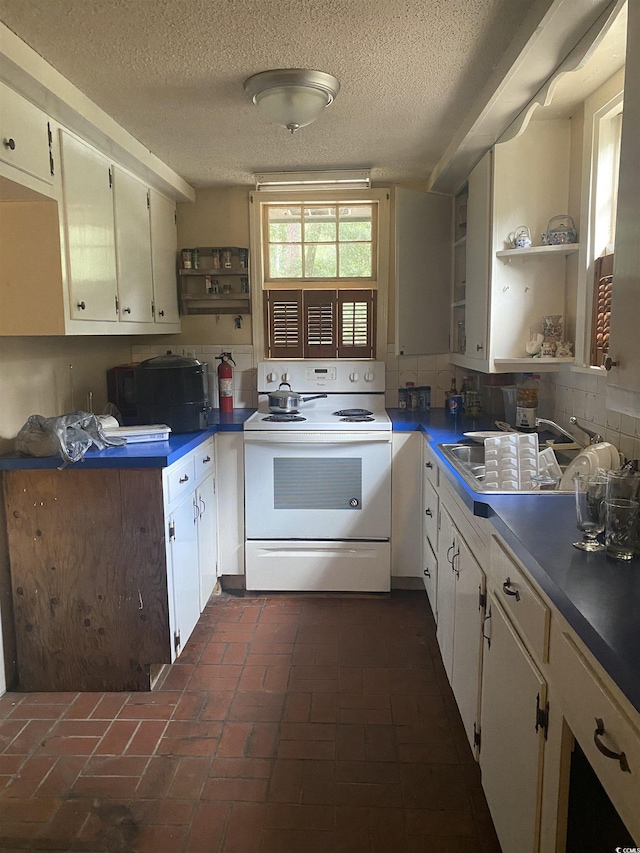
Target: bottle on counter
x=454, y=400
x=527, y=402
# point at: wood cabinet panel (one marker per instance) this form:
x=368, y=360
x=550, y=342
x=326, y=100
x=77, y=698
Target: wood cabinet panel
x=88, y=573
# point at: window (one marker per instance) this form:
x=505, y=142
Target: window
x=321, y=268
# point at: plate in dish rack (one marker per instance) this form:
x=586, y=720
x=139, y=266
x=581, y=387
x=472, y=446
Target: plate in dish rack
x=480, y=436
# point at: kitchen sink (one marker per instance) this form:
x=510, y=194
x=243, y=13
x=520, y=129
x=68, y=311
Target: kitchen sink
x=468, y=461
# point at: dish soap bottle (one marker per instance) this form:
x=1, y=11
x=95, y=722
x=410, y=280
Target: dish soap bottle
x=527, y=403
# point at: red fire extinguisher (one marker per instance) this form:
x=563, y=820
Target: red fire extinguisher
x=225, y=381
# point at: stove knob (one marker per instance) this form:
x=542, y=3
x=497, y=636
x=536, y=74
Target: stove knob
x=271, y=377
x=354, y=376
x=369, y=376
x=286, y=377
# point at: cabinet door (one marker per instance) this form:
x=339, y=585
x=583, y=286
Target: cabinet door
x=478, y=246
x=24, y=130
x=406, y=505
x=133, y=248
x=446, y=589
x=207, y=538
x=467, y=635
x=430, y=574
x=164, y=247
x=230, y=481
x=183, y=537
x=423, y=271
x=511, y=750
x=89, y=231
x=626, y=273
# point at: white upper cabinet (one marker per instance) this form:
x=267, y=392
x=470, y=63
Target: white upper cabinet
x=164, y=247
x=24, y=133
x=133, y=248
x=423, y=271
x=89, y=231
x=624, y=377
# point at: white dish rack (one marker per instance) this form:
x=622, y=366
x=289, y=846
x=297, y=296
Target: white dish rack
x=511, y=460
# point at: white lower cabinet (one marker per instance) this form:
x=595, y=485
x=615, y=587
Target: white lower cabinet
x=230, y=480
x=191, y=519
x=512, y=741
x=460, y=608
x=406, y=504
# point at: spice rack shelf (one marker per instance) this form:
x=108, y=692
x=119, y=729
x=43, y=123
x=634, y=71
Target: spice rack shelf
x=216, y=287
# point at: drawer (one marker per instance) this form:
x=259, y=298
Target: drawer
x=530, y=614
x=430, y=466
x=180, y=478
x=204, y=460
x=586, y=698
x=430, y=504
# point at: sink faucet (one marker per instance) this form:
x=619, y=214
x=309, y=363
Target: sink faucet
x=594, y=437
x=560, y=430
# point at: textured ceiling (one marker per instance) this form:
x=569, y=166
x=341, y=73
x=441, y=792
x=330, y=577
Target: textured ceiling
x=171, y=73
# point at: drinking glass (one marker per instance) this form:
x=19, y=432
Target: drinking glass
x=620, y=519
x=590, y=490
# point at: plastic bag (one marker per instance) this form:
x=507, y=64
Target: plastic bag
x=68, y=436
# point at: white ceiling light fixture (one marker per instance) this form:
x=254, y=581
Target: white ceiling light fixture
x=353, y=179
x=292, y=97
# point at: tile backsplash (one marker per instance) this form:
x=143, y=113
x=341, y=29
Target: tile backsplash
x=433, y=370
x=585, y=396
x=244, y=374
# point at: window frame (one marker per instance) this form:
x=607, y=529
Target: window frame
x=380, y=197
x=600, y=111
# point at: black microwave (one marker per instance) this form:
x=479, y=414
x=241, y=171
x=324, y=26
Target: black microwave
x=121, y=391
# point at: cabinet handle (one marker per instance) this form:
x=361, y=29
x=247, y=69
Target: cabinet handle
x=427, y=573
x=453, y=564
x=479, y=347
x=428, y=465
x=206, y=459
x=449, y=549
x=507, y=591
x=81, y=306
x=484, y=622
x=617, y=756
x=204, y=506
x=609, y=363
x=10, y=143
x=160, y=313
x=184, y=479
x=428, y=512
x=196, y=512
x=126, y=310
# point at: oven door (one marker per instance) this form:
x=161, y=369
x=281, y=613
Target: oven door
x=318, y=486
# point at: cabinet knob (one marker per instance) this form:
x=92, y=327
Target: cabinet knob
x=160, y=313
x=206, y=459
x=428, y=465
x=427, y=573
x=479, y=347
x=609, y=363
x=428, y=512
x=10, y=143
x=81, y=306
x=126, y=310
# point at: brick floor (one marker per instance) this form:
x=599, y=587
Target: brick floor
x=291, y=724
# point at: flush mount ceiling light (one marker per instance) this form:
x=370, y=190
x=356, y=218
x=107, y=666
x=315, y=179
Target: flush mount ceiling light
x=292, y=97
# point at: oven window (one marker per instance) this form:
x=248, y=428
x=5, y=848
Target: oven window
x=317, y=483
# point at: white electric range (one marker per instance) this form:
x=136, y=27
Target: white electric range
x=318, y=481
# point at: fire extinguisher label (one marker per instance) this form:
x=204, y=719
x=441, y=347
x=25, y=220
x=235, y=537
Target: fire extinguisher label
x=226, y=387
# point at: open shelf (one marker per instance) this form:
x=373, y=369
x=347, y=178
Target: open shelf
x=561, y=249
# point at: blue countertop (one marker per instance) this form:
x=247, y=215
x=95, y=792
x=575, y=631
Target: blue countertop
x=599, y=597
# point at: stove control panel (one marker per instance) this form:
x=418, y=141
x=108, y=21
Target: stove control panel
x=333, y=376
x=321, y=374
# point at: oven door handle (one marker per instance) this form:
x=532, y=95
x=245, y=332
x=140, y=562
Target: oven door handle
x=268, y=437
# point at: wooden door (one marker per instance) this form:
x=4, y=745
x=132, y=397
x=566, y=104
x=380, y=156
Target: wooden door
x=133, y=248
x=512, y=745
x=446, y=590
x=164, y=248
x=423, y=271
x=183, y=533
x=207, y=538
x=89, y=231
x=467, y=647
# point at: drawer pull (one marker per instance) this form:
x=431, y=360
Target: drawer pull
x=427, y=573
x=508, y=591
x=428, y=512
x=183, y=479
x=484, y=622
x=428, y=465
x=206, y=459
x=617, y=756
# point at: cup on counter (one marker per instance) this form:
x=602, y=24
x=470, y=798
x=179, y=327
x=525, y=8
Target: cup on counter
x=626, y=484
x=590, y=490
x=620, y=515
